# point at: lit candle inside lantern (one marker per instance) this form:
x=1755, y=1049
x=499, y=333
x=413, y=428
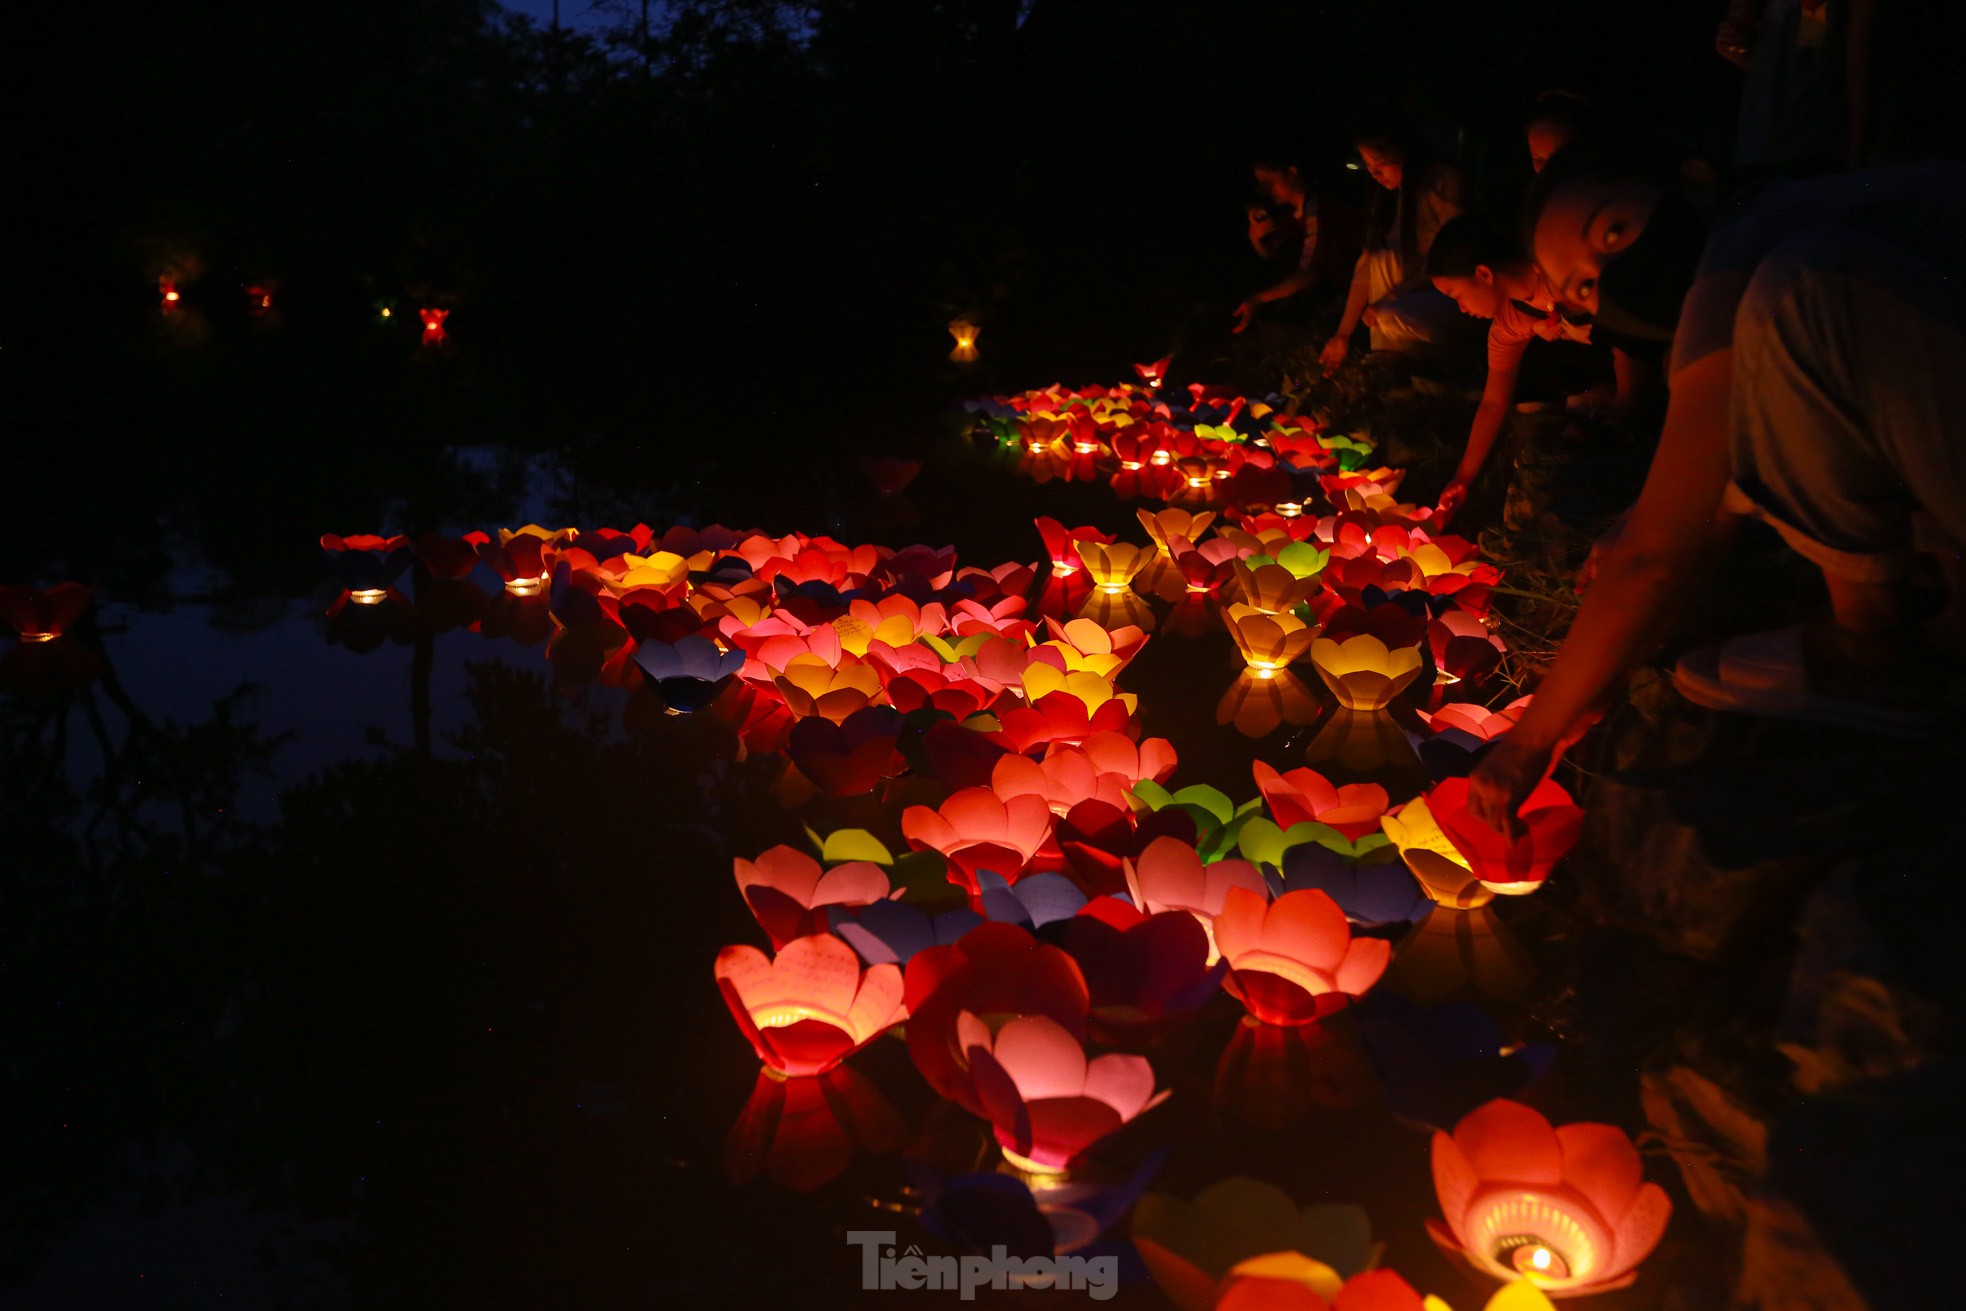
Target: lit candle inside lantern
x=1163, y=457
x=38, y=637
x=526, y=586
x=1131, y=465
x=368, y=595
x=1289, y=509
x=965, y=334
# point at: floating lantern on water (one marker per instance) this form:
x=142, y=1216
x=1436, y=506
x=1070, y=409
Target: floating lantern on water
x=259, y=300
x=965, y=334
x=1464, y=648
x=1435, y=861
x=848, y=759
x=689, y=672
x=1551, y=820
x=1049, y=1104
x=433, y=324
x=1084, y=644
x=1153, y=374
x=1295, y=960
x=1565, y=1208
x=367, y=565
x=811, y=686
x=811, y=1006
x=168, y=295
x=1203, y=568
x=995, y=971
x=978, y=830
x=1168, y=525
x=1169, y=875
x=1304, y=795
x=790, y=894
x=1190, y=1246
x=1271, y=585
x=1268, y=642
x=1061, y=543
x=520, y=555
x=1066, y=777
x=40, y=615
x=1362, y=672
x=1144, y=973
x=1112, y=565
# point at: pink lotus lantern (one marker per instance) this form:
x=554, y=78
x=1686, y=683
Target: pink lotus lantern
x=1552, y=822
x=1304, y=795
x=1295, y=960
x=811, y=1006
x=1048, y=1103
x=788, y=891
x=997, y=971
x=1464, y=649
x=1204, y=568
x=1170, y=876
x=978, y=830
x=1565, y=1208
x=42, y=615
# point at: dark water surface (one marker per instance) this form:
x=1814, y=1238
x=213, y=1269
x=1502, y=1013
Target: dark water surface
x=368, y=962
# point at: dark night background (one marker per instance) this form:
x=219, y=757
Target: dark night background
x=421, y=1018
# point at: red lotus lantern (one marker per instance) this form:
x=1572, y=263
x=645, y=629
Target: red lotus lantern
x=1552, y=822
x=1565, y=1208
x=42, y=615
x=811, y=1006
x=1304, y=795
x=433, y=324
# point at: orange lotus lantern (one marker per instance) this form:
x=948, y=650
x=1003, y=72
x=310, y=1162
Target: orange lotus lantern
x=1295, y=960
x=1049, y=1104
x=1551, y=823
x=1566, y=1209
x=1268, y=642
x=811, y=686
x=811, y=1006
x=788, y=891
x=965, y=334
x=1362, y=673
x=1084, y=644
x=977, y=830
x=1164, y=526
x=1112, y=566
x=433, y=324
x=1065, y=777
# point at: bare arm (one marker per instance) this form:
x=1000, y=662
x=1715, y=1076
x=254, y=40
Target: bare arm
x=1340, y=344
x=1497, y=395
x=1675, y=531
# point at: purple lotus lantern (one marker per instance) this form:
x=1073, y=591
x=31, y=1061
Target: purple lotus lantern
x=688, y=673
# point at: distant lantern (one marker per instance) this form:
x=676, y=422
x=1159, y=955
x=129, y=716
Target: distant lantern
x=433, y=325
x=259, y=300
x=965, y=334
x=172, y=298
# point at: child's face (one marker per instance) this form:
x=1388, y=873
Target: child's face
x=1585, y=225
x=1475, y=295
x=1387, y=169
x=1545, y=139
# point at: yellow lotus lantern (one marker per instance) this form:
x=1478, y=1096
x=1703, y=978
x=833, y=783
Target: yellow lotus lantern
x=1041, y=680
x=1111, y=566
x=1091, y=647
x=1269, y=586
x=661, y=571
x=1362, y=673
x=1441, y=869
x=810, y=687
x=965, y=334
x=1268, y=641
x=1164, y=525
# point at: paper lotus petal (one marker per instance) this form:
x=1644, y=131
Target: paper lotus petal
x=1189, y=1246
x=1552, y=820
x=1267, y=585
x=791, y=895
x=1066, y=777
x=687, y=673
x=1060, y=543
x=1113, y=565
x=41, y=615
x=1567, y=1208
x=1295, y=960
x=1145, y=973
x=892, y=932
x=977, y=830
x=1304, y=794
x=1033, y=901
x=445, y=557
x=1362, y=673
x=812, y=687
x=1434, y=859
x=1268, y=641
x=848, y=759
x=1049, y=1104
x=367, y=563
x=1371, y=893
x=996, y=970
x=1171, y=524
x=1290, y=1281
x=1169, y=875
x=1116, y=753
x=811, y=1006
